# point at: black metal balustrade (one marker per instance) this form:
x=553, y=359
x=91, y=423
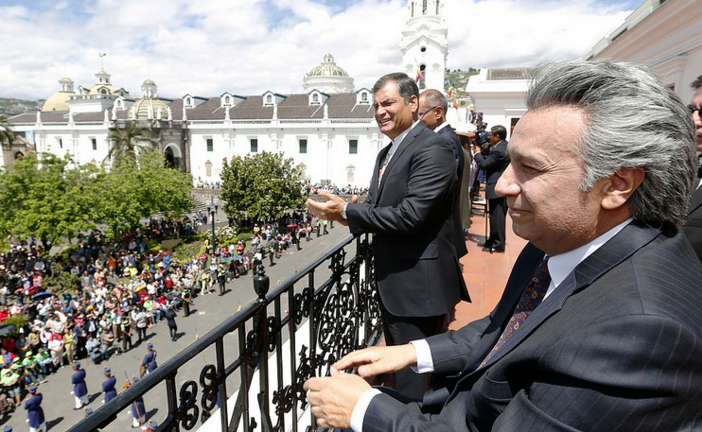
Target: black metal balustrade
x=300, y=328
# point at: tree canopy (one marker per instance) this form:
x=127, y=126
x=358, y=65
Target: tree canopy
x=54, y=198
x=261, y=186
x=7, y=134
x=47, y=196
x=130, y=142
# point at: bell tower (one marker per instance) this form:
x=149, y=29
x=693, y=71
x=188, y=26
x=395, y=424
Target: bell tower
x=424, y=43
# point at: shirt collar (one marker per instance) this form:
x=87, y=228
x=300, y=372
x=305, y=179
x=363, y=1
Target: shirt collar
x=398, y=139
x=443, y=125
x=560, y=266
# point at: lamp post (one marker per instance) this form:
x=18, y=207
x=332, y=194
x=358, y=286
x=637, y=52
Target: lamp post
x=212, y=206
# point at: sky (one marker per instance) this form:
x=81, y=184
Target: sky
x=248, y=47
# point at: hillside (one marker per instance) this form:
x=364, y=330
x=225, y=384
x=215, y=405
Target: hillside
x=12, y=106
x=458, y=80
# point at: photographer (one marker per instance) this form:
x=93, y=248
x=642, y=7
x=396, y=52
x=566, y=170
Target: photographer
x=493, y=158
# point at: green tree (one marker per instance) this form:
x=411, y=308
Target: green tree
x=132, y=191
x=130, y=142
x=7, y=134
x=47, y=196
x=261, y=186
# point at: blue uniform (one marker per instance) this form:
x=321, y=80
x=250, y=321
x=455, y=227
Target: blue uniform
x=150, y=361
x=138, y=409
x=108, y=387
x=80, y=389
x=34, y=411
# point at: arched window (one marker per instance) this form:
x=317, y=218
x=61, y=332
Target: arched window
x=438, y=3
x=103, y=91
x=315, y=98
x=364, y=97
x=424, y=7
x=226, y=100
x=269, y=99
x=188, y=102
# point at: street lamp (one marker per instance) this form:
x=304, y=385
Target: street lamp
x=212, y=206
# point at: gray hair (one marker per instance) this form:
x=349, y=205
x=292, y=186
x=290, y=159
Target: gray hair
x=633, y=121
x=406, y=87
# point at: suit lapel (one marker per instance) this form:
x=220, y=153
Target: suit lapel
x=632, y=238
x=404, y=145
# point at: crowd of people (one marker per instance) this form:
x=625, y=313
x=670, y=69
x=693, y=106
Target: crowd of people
x=121, y=290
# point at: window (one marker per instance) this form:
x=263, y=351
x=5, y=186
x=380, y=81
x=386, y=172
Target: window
x=60, y=143
x=437, y=6
x=226, y=100
x=210, y=144
x=424, y=7
x=303, y=146
x=353, y=146
x=94, y=141
x=254, y=145
x=364, y=97
x=315, y=98
x=269, y=99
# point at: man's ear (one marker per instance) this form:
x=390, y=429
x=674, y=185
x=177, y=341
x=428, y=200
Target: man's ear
x=414, y=104
x=620, y=186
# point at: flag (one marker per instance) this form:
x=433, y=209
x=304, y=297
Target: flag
x=420, y=77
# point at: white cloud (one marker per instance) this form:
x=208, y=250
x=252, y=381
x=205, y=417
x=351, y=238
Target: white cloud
x=248, y=47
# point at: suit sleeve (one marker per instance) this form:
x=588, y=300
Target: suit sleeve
x=431, y=179
x=496, y=158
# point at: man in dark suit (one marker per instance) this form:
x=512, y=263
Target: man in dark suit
x=409, y=210
x=494, y=159
x=599, y=327
x=693, y=222
x=432, y=112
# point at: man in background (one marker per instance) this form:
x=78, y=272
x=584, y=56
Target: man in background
x=432, y=112
x=693, y=222
x=494, y=160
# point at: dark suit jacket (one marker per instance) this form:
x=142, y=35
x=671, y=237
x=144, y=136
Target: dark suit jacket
x=410, y=213
x=693, y=223
x=617, y=346
x=458, y=237
x=494, y=165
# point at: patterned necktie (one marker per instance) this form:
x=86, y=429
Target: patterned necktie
x=381, y=171
x=533, y=295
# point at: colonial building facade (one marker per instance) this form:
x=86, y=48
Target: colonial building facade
x=328, y=130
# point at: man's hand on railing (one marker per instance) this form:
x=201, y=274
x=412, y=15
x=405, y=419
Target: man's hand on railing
x=333, y=398
x=375, y=361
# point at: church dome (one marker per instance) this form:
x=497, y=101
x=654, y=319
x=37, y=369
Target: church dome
x=149, y=106
x=147, y=109
x=328, y=68
x=328, y=77
x=57, y=102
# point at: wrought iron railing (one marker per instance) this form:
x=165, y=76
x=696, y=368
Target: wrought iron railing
x=266, y=351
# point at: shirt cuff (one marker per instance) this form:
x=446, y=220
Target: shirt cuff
x=343, y=212
x=359, y=411
x=425, y=363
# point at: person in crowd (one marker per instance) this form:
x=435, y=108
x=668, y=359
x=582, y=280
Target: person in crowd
x=598, y=327
x=35, y=414
x=108, y=386
x=80, y=388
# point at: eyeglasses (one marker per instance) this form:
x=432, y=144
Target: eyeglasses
x=693, y=110
x=421, y=113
